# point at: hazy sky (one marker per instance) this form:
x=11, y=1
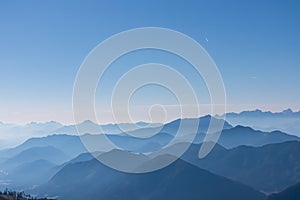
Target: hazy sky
x=255, y=44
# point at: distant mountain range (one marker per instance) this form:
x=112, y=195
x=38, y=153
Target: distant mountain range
x=230, y=137
x=36, y=160
x=61, y=141
x=13, y=135
x=286, y=121
x=259, y=113
x=70, y=145
x=241, y=135
x=93, y=128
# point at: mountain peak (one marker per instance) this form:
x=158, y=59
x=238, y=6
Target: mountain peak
x=88, y=122
x=287, y=111
x=243, y=128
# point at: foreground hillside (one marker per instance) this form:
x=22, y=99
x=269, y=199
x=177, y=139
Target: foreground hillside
x=270, y=168
x=292, y=193
x=181, y=180
x=13, y=195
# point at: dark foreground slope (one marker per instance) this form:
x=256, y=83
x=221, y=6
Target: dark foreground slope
x=270, y=168
x=292, y=193
x=181, y=180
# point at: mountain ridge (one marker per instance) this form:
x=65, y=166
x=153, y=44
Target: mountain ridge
x=180, y=180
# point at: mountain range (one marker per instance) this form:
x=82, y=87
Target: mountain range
x=248, y=160
x=285, y=121
x=291, y=193
x=14, y=135
x=270, y=168
x=189, y=177
x=181, y=180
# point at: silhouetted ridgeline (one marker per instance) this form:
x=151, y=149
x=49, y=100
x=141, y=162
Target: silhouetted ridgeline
x=245, y=164
x=291, y=193
x=13, y=195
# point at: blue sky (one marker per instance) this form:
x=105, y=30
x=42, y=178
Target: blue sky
x=255, y=44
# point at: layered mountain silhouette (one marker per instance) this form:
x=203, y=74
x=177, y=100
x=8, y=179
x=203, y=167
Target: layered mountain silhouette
x=38, y=159
x=181, y=180
x=70, y=145
x=286, y=121
x=258, y=167
x=93, y=128
x=30, y=174
x=32, y=166
x=269, y=168
x=230, y=137
x=240, y=135
x=13, y=135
